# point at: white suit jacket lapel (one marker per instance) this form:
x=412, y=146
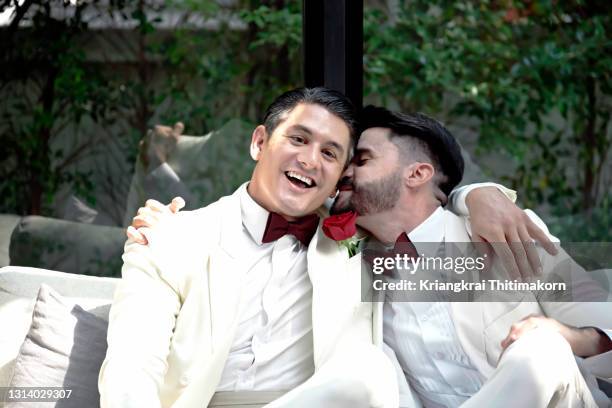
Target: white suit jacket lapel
x=335, y=294
x=224, y=288
x=226, y=276
x=377, y=323
x=467, y=316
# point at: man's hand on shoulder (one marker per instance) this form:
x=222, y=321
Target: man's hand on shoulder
x=509, y=232
x=149, y=216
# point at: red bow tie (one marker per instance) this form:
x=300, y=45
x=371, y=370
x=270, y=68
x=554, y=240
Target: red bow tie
x=303, y=228
x=403, y=245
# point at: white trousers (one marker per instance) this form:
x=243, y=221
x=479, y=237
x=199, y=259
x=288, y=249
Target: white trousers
x=332, y=394
x=243, y=399
x=538, y=370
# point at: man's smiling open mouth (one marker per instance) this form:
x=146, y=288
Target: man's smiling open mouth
x=299, y=180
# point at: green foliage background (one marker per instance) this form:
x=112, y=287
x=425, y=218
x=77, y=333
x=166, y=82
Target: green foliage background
x=532, y=79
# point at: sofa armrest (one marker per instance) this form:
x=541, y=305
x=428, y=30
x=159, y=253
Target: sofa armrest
x=8, y=222
x=67, y=246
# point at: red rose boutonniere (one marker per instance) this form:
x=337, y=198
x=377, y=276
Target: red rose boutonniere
x=342, y=228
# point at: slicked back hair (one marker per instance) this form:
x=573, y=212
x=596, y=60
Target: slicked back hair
x=333, y=101
x=424, y=135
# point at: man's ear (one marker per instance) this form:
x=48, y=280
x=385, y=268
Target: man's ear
x=418, y=174
x=257, y=141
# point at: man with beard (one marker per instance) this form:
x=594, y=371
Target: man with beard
x=501, y=354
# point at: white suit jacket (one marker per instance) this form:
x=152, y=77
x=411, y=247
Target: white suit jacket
x=175, y=313
x=481, y=326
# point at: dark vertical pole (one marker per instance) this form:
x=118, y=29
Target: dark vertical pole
x=312, y=42
x=333, y=46
x=354, y=47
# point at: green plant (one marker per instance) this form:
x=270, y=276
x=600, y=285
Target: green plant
x=534, y=75
x=47, y=89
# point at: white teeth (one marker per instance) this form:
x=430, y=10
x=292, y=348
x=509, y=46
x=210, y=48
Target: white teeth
x=300, y=177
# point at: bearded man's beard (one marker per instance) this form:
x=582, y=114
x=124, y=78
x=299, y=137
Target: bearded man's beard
x=377, y=196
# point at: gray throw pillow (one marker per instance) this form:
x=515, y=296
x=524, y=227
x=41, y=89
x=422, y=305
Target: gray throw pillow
x=64, y=347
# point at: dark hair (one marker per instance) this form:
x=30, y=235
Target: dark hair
x=334, y=101
x=434, y=140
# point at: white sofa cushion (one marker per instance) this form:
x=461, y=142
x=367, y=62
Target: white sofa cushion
x=18, y=289
x=64, y=347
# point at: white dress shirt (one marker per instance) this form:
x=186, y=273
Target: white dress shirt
x=273, y=349
x=424, y=338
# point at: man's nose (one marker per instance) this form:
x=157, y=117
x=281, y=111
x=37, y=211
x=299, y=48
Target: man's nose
x=309, y=157
x=349, y=172
x=347, y=177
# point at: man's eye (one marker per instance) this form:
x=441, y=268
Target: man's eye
x=361, y=161
x=297, y=139
x=329, y=154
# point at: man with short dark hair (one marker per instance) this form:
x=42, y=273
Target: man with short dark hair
x=502, y=354
x=222, y=306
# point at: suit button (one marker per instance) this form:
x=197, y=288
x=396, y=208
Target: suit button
x=185, y=380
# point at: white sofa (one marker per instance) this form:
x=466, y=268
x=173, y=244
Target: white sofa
x=18, y=289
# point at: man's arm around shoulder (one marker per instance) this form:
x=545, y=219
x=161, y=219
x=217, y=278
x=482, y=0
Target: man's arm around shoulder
x=141, y=323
